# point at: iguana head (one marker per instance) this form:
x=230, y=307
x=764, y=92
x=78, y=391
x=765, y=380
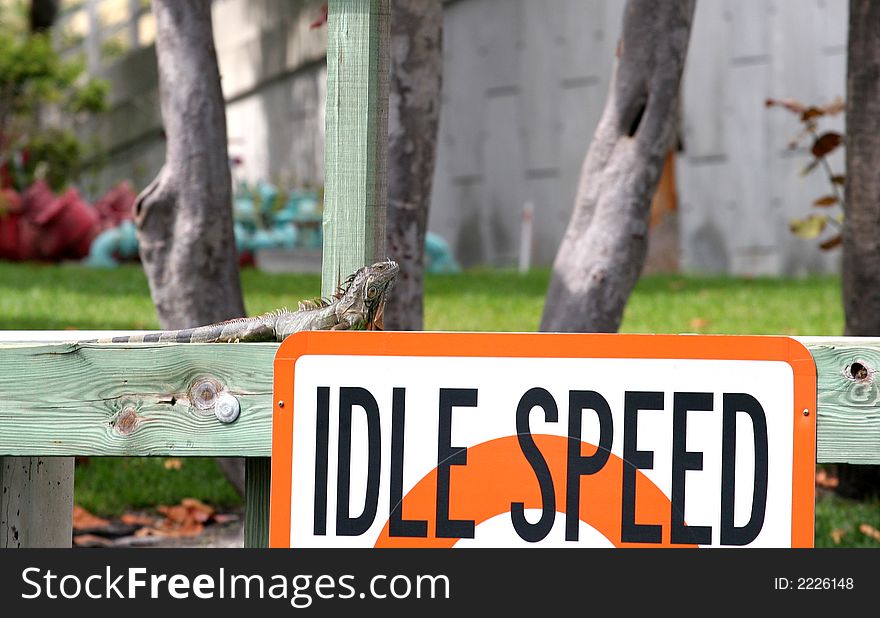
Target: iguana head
x=364, y=291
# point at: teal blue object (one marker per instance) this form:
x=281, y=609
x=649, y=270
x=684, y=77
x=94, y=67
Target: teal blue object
x=111, y=245
x=247, y=241
x=438, y=255
x=268, y=194
x=280, y=236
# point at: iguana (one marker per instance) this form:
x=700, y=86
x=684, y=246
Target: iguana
x=356, y=305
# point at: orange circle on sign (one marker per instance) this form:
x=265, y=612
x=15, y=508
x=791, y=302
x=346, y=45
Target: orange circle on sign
x=488, y=492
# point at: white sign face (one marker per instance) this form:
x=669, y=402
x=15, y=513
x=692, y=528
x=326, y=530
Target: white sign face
x=473, y=444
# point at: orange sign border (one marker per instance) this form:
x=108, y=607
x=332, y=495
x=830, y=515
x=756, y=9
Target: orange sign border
x=548, y=345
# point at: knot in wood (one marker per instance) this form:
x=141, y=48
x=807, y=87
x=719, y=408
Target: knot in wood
x=859, y=371
x=203, y=394
x=127, y=421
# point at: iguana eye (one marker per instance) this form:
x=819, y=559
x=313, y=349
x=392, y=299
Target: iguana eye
x=372, y=291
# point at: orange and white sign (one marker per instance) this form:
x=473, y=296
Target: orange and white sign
x=392, y=439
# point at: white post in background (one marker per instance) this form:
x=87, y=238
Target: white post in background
x=93, y=37
x=134, y=15
x=525, y=240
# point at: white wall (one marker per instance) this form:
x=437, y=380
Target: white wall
x=739, y=183
x=524, y=84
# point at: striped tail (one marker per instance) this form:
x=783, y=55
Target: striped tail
x=231, y=331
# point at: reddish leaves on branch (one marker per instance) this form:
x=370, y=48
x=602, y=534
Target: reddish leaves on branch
x=826, y=143
x=828, y=200
x=822, y=145
x=808, y=112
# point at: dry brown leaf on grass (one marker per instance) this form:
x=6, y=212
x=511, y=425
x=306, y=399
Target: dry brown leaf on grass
x=870, y=531
x=699, y=323
x=825, y=480
x=173, y=463
x=83, y=520
x=200, y=511
x=189, y=509
x=181, y=520
x=837, y=535
x=137, y=519
x=91, y=540
x=169, y=529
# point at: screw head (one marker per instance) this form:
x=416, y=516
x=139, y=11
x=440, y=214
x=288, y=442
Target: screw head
x=227, y=408
x=806, y=412
x=280, y=403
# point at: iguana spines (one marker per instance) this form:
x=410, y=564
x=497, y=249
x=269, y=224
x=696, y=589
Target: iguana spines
x=355, y=306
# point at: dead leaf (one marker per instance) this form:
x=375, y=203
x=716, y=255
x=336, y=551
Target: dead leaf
x=828, y=481
x=870, y=531
x=699, y=323
x=826, y=143
x=83, y=520
x=835, y=107
x=225, y=518
x=837, y=535
x=184, y=519
x=175, y=530
x=812, y=112
x=828, y=200
x=145, y=532
x=173, y=463
x=838, y=179
x=791, y=105
x=810, y=227
x=137, y=519
x=199, y=511
x=91, y=540
x=175, y=513
x=831, y=243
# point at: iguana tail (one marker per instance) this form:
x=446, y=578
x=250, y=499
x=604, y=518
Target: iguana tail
x=260, y=328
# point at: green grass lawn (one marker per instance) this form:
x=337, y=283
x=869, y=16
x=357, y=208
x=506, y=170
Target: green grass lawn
x=61, y=297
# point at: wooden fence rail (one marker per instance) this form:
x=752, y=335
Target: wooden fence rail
x=137, y=399
x=66, y=399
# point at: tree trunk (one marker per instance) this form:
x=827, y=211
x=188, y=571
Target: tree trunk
x=861, y=227
x=184, y=217
x=414, y=112
x=604, y=248
x=42, y=14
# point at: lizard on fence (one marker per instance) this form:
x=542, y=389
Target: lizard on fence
x=356, y=305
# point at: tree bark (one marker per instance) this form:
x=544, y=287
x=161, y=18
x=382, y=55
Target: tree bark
x=861, y=227
x=603, y=250
x=184, y=217
x=414, y=112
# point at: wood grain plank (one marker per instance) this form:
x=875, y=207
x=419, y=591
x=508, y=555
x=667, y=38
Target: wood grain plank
x=115, y=399
x=848, y=425
x=132, y=399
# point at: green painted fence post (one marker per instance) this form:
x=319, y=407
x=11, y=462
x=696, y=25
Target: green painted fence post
x=355, y=176
x=356, y=137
